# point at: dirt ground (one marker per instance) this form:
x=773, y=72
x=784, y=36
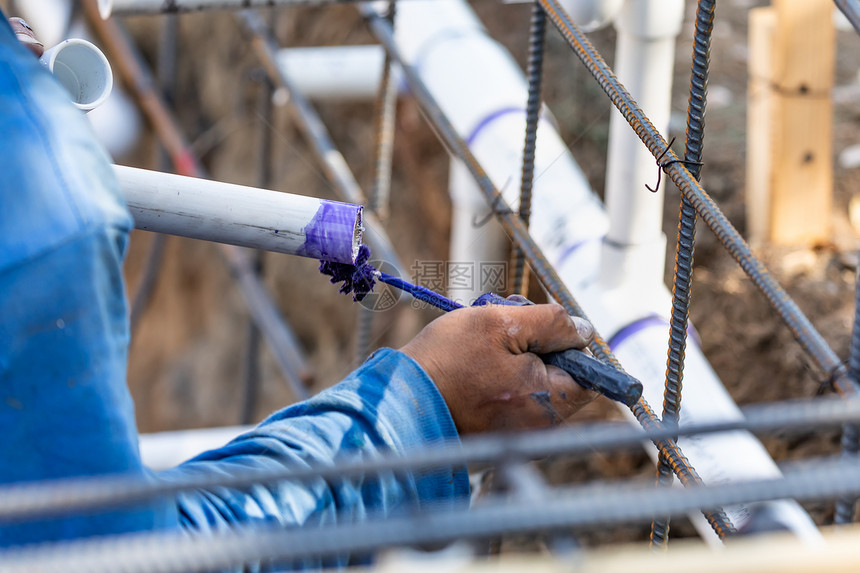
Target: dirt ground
x=188, y=353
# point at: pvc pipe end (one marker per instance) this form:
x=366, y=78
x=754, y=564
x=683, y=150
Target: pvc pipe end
x=105, y=8
x=357, y=233
x=83, y=70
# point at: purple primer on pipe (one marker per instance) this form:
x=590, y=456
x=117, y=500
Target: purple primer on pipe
x=330, y=236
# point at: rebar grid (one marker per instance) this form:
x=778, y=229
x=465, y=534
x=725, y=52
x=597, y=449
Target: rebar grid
x=534, y=76
x=682, y=281
x=581, y=507
x=696, y=200
x=514, y=227
x=59, y=497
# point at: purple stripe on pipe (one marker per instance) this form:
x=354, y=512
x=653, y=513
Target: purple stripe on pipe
x=331, y=234
x=647, y=322
x=490, y=118
x=572, y=249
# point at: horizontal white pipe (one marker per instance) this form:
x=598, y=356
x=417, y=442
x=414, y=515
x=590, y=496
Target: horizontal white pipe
x=82, y=69
x=164, y=450
x=335, y=73
x=243, y=216
x=132, y=7
x=483, y=92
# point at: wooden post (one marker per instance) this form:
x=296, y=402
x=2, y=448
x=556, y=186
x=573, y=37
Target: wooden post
x=789, y=122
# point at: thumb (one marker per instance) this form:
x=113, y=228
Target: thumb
x=544, y=328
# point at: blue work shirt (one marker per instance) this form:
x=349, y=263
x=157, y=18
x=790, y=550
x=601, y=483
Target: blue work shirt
x=65, y=409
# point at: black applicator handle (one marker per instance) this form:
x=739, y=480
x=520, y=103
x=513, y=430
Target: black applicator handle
x=591, y=373
x=586, y=370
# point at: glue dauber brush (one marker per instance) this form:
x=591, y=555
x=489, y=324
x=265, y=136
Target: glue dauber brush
x=589, y=372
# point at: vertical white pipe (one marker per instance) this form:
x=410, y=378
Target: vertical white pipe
x=644, y=60
x=477, y=261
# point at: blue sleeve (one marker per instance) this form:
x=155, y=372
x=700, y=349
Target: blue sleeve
x=65, y=409
x=389, y=404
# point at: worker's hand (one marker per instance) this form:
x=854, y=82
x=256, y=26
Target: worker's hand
x=484, y=362
x=26, y=36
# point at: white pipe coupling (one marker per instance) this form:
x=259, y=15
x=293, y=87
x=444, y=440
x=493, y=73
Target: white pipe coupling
x=82, y=69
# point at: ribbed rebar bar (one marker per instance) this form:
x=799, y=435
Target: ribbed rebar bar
x=514, y=227
x=534, y=76
x=166, y=84
x=589, y=506
x=802, y=329
x=851, y=433
x=386, y=114
x=58, y=497
x=851, y=10
x=265, y=111
x=682, y=282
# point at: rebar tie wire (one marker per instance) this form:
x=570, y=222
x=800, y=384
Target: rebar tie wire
x=683, y=276
x=802, y=329
x=514, y=227
x=534, y=75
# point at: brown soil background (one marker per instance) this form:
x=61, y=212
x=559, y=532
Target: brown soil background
x=187, y=354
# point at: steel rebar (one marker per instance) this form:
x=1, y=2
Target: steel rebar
x=166, y=80
x=846, y=506
x=28, y=501
x=590, y=506
x=311, y=126
x=378, y=202
x=265, y=110
x=534, y=76
x=682, y=282
x=802, y=329
x=851, y=10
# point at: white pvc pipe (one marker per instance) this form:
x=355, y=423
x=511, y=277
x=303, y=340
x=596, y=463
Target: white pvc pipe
x=82, y=69
x=165, y=450
x=591, y=15
x=132, y=7
x=635, y=246
x=243, y=216
x=483, y=92
x=334, y=72
x=478, y=255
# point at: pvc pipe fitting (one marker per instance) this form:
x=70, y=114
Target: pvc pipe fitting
x=592, y=15
x=335, y=73
x=82, y=69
